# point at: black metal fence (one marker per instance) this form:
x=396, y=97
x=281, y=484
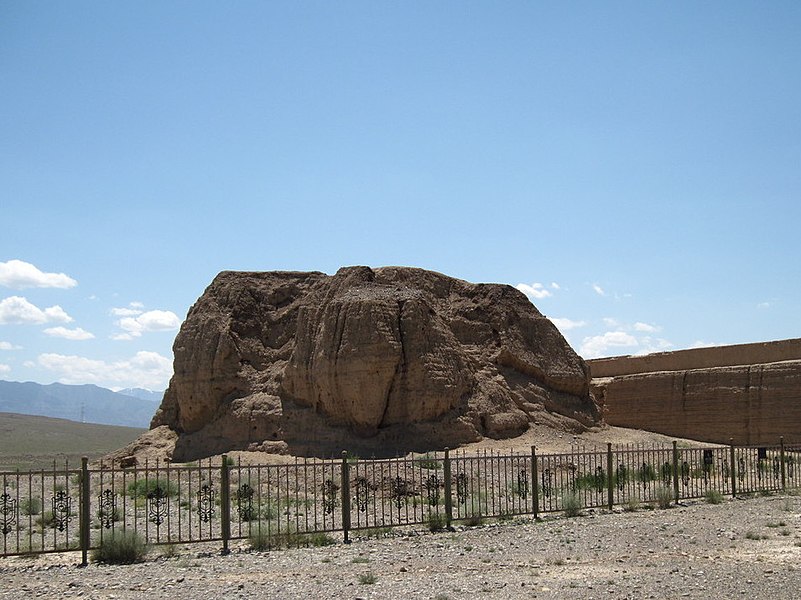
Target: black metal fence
x=69, y=509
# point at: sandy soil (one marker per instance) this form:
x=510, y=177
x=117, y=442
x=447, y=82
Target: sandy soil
x=743, y=548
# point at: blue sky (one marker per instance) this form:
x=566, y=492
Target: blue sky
x=636, y=165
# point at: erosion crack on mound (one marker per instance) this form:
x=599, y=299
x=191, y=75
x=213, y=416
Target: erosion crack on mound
x=381, y=361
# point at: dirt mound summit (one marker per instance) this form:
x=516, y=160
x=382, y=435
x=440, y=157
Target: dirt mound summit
x=381, y=360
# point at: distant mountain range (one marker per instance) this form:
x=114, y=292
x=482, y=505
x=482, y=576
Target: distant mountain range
x=82, y=403
x=142, y=394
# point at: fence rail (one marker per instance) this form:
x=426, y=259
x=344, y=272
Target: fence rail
x=75, y=509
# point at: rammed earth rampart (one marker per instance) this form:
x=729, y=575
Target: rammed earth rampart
x=750, y=393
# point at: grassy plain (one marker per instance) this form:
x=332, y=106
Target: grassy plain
x=33, y=442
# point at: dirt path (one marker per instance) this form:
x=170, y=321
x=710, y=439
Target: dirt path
x=739, y=549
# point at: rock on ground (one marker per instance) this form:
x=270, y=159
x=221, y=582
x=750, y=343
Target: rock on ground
x=739, y=549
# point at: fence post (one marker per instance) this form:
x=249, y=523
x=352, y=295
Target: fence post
x=535, y=484
x=784, y=473
x=85, y=511
x=345, y=497
x=676, y=471
x=446, y=465
x=733, y=469
x=225, y=503
x=610, y=485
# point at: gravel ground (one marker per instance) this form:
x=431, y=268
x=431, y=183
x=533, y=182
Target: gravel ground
x=739, y=549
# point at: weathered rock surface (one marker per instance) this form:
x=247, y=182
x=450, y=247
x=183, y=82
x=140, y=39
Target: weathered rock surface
x=751, y=404
x=386, y=360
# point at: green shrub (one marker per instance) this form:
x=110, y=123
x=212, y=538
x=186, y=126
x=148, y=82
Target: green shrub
x=46, y=519
x=319, y=539
x=121, y=548
x=713, y=497
x=571, y=503
x=170, y=551
x=473, y=520
x=646, y=473
x=30, y=506
x=664, y=496
x=376, y=532
x=367, y=578
x=142, y=487
x=631, y=504
x=436, y=521
x=597, y=481
x=260, y=540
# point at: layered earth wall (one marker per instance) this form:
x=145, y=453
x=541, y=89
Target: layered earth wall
x=379, y=361
x=750, y=393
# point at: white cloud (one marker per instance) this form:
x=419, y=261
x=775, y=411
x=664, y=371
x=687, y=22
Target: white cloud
x=69, y=334
x=649, y=345
x=17, y=274
x=646, y=328
x=555, y=285
x=17, y=310
x=144, y=369
x=4, y=369
x=125, y=312
x=536, y=291
x=610, y=322
x=764, y=305
x=598, y=289
x=9, y=346
x=598, y=345
x=703, y=344
x=152, y=320
x=133, y=309
x=567, y=324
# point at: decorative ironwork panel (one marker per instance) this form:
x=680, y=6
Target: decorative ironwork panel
x=667, y=473
x=399, y=490
x=547, y=483
x=600, y=479
x=8, y=513
x=362, y=493
x=157, y=505
x=62, y=510
x=107, y=508
x=432, y=489
x=205, y=502
x=685, y=473
x=621, y=475
x=572, y=469
x=329, y=490
x=522, y=483
x=244, y=502
x=461, y=488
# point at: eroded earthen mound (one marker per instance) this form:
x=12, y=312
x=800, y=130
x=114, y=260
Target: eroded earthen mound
x=375, y=360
